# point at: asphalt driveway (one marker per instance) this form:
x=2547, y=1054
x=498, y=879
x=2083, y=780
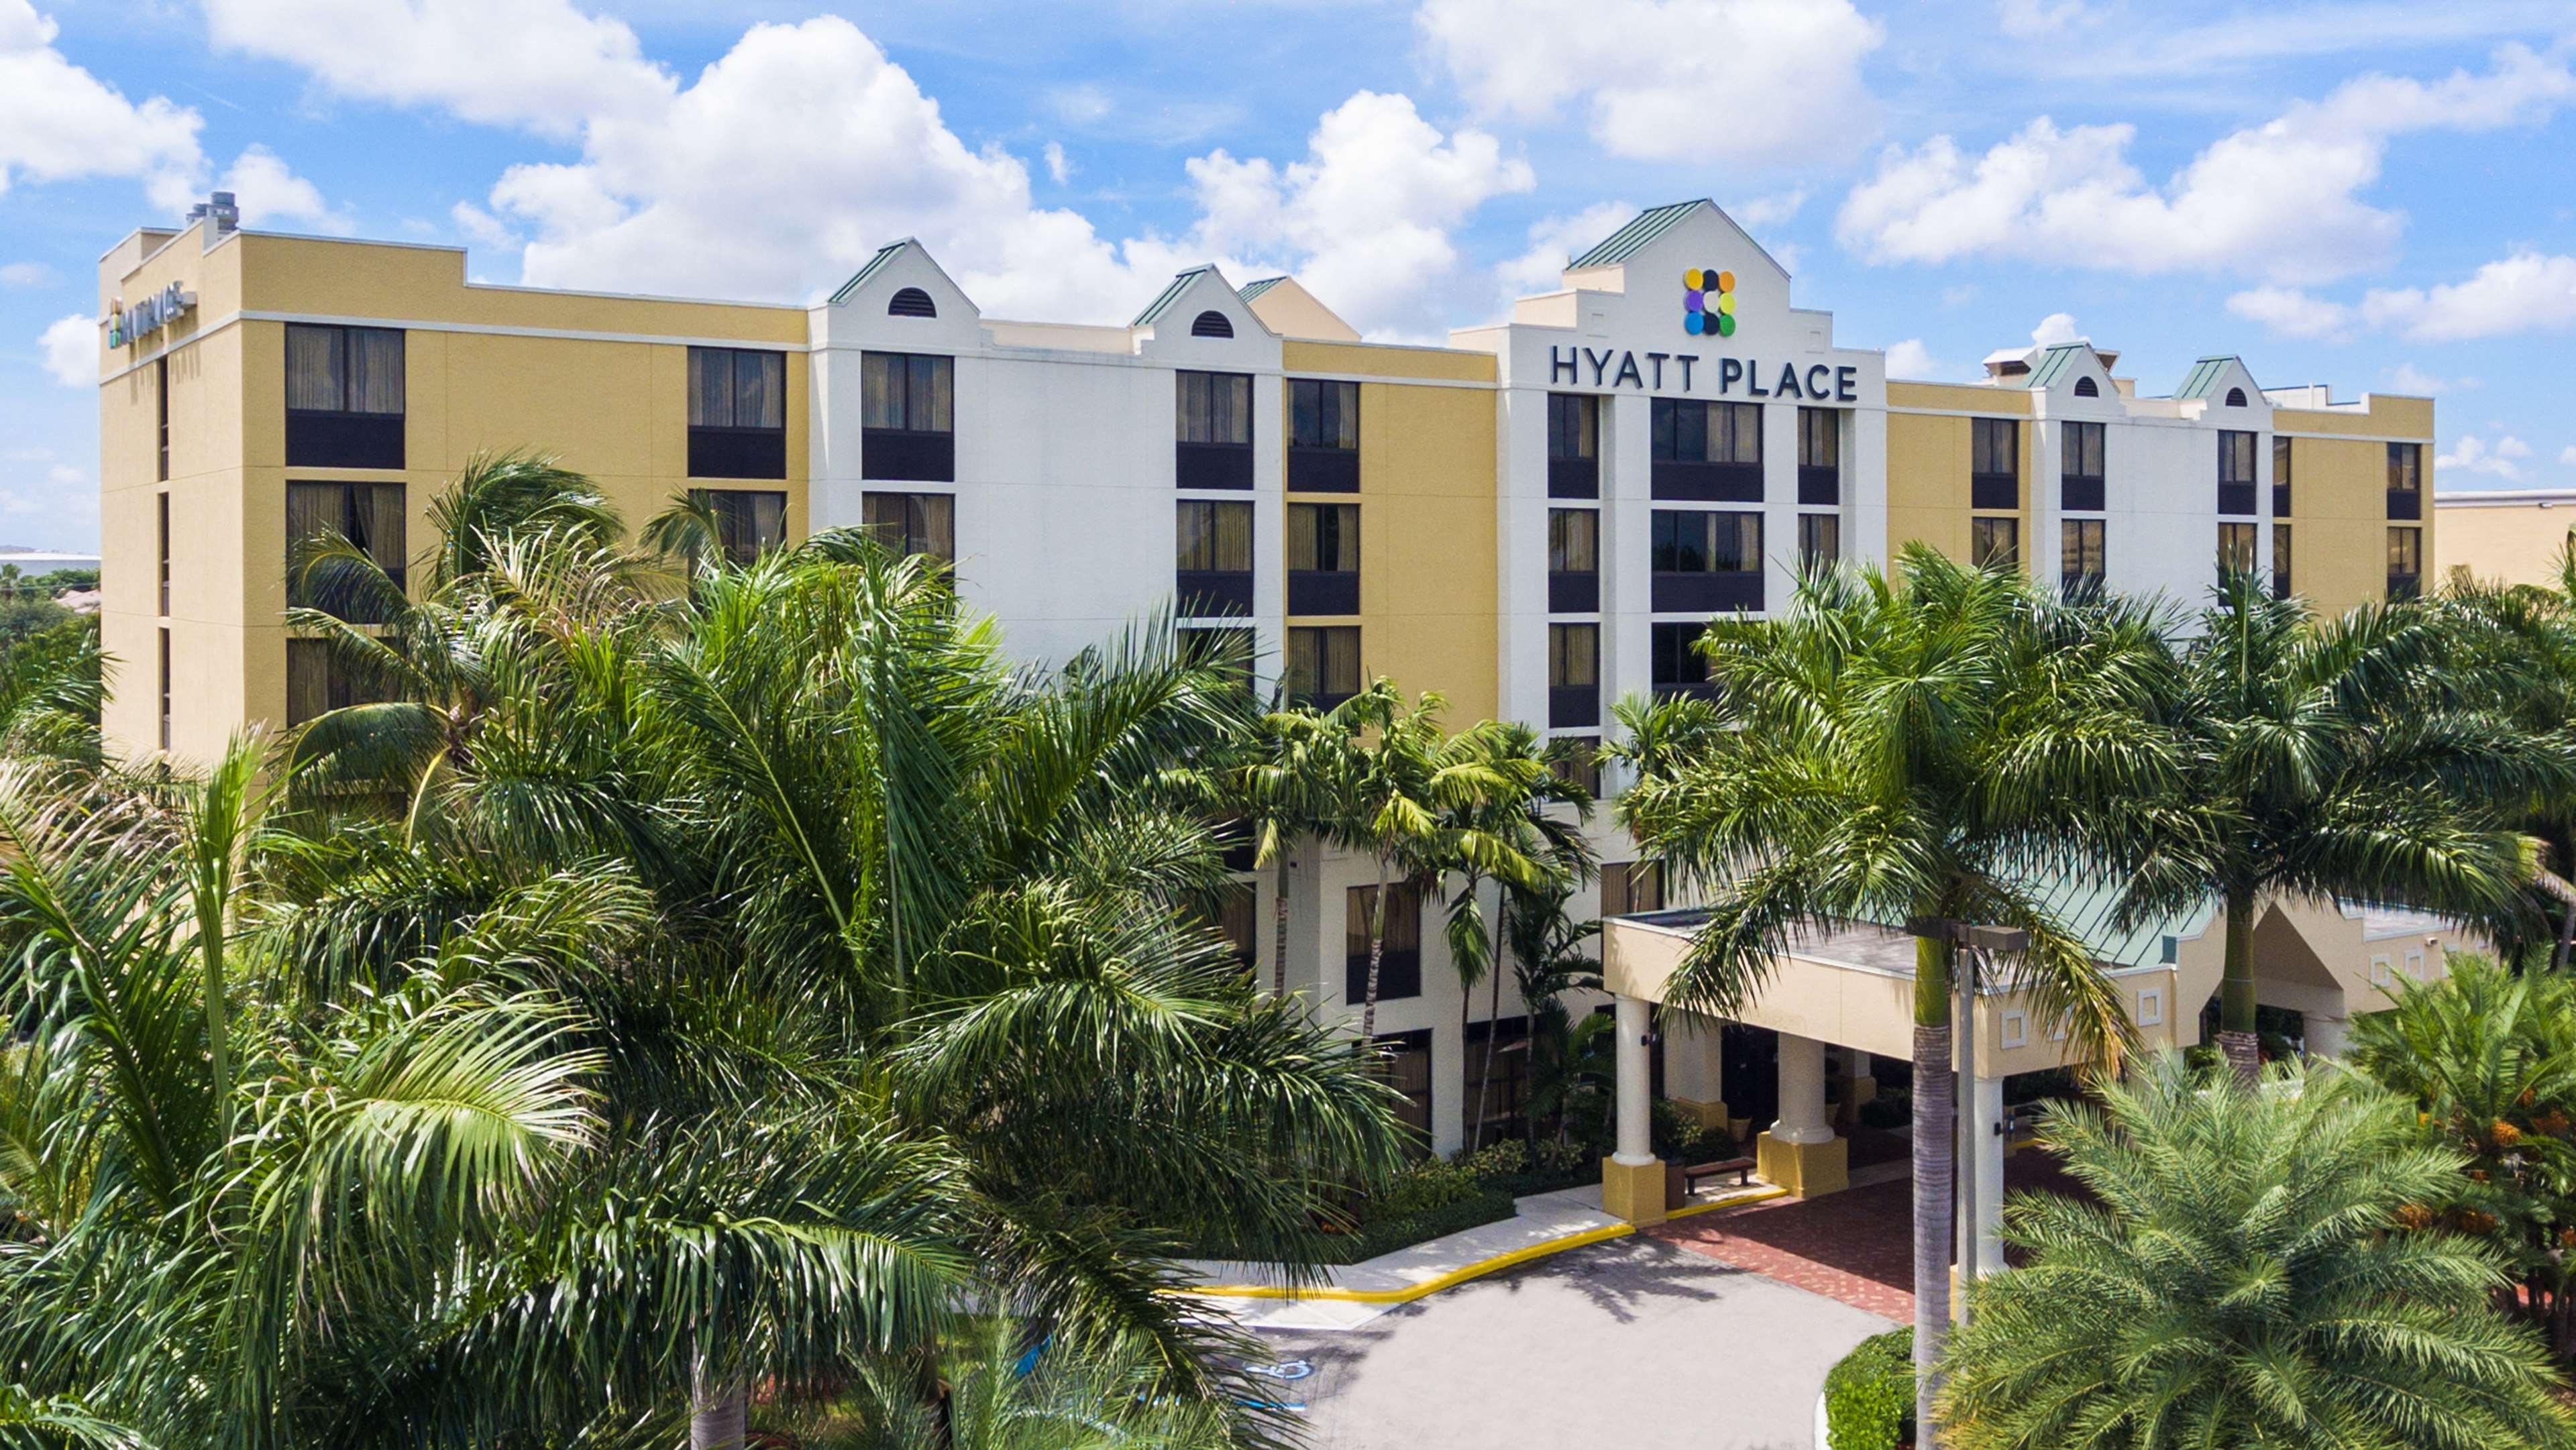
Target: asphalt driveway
x=1627, y=1343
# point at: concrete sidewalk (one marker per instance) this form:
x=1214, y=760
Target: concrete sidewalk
x=1260, y=1297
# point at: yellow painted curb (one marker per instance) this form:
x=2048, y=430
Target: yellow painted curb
x=1476, y=1270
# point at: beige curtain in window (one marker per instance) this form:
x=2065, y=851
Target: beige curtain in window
x=313, y=369
x=375, y=370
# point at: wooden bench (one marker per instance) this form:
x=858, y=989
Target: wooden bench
x=1742, y=1168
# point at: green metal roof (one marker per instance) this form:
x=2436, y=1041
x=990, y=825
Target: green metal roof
x=1163, y=301
x=1629, y=240
x=2054, y=363
x=859, y=278
x=1250, y=290
x=2204, y=376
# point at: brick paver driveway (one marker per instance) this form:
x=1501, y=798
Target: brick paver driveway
x=1627, y=1343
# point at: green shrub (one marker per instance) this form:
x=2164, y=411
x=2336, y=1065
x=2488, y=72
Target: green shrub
x=1423, y=1188
x=1385, y=1236
x=1502, y=1158
x=1869, y=1397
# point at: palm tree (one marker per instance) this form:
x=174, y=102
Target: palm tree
x=1000, y=1396
x=1278, y=784
x=2488, y=1056
x=1936, y=747
x=2511, y=648
x=2327, y=762
x=862, y=954
x=1516, y=813
x=2237, y=1281
x=1397, y=772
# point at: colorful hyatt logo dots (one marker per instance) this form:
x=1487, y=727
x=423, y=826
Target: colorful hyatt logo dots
x=1708, y=302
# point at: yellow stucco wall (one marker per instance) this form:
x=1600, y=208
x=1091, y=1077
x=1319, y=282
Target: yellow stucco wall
x=1928, y=458
x=1428, y=549
x=612, y=406
x=2517, y=543
x=2339, y=515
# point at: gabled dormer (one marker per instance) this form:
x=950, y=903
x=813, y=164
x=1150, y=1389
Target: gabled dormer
x=2075, y=377
x=2220, y=391
x=901, y=300
x=1199, y=319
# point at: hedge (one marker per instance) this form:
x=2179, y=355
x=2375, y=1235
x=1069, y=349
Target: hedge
x=1385, y=1237
x=1869, y=1397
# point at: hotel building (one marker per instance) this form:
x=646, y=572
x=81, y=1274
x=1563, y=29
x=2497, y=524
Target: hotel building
x=1534, y=520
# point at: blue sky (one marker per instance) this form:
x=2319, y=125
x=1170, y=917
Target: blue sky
x=2373, y=195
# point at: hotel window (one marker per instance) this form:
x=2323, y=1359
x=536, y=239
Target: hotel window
x=2405, y=562
x=907, y=417
x=1994, y=543
x=317, y=682
x=1676, y=665
x=1404, y=1065
x=1820, y=455
x=1228, y=649
x=1576, y=760
x=738, y=414
x=371, y=517
x=912, y=523
x=1573, y=676
x=2236, y=472
x=1323, y=558
x=161, y=407
x=2281, y=587
x=1501, y=1086
x=2235, y=549
x=161, y=528
x=1706, y=561
x=1994, y=463
x=1212, y=559
x=2079, y=467
x=1399, y=969
x=165, y=687
x=2280, y=477
x=344, y=397
x=749, y=522
x=1323, y=664
x=1820, y=540
x=1631, y=886
x=1573, y=445
x=1323, y=436
x=1707, y=451
x=1574, y=561
x=2080, y=568
x=1215, y=430
x=1234, y=920
x=2406, y=480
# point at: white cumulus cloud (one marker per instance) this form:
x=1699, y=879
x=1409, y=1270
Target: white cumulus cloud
x=1745, y=81
x=58, y=121
x=2293, y=312
x=270, y=194
x=2525, y=292
x=2282, y=201
x=2055, y=328
x=2473, y=454
x=2029, y=18
x=536, y=63
x=70, y=351
x=1911, y=359
x=2408, y=378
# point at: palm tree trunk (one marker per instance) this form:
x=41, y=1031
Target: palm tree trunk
x=1935, y=1107
x=2236, y=993
x=1279, y=923
x=1493, y=1014
x=719, y=1415
x=1377, y=954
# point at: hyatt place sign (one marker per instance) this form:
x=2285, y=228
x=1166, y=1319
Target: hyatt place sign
x=153, y=313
